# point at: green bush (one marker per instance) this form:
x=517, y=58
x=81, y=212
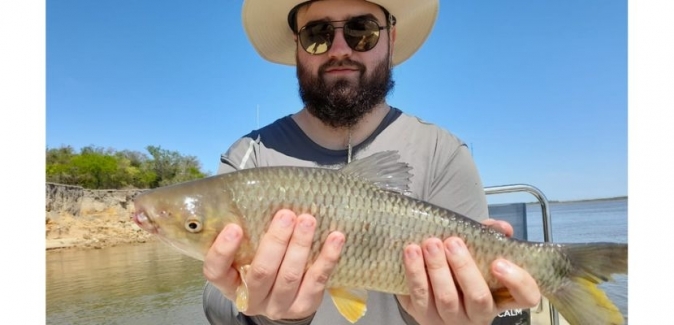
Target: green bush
x=98, y=168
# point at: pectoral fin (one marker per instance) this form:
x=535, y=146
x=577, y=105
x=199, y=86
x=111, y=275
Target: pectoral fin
x=351, y=303
x=242, y=290
x=502, y=295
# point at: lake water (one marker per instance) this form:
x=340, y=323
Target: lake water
x=587, y=221
x=153, y=284
x=133, y=284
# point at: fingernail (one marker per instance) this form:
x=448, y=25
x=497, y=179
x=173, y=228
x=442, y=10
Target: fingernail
x=454, y=246
x=307, y=223
x=412, y=253
x=231, y=233
x=285, y=220
x=502, y=267
x=337, y=241
x=433, y=248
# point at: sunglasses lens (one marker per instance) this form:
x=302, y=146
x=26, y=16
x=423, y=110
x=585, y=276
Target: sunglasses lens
x=361, y=34
x=317, y=38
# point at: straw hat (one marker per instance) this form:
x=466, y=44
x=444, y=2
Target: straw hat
x=266, y=24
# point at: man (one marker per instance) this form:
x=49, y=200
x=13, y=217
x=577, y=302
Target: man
x=344, y=51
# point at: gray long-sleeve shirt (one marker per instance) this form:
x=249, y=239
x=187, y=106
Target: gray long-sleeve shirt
x=443, y=174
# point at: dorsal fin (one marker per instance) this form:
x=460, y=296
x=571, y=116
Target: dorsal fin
x=383, y=170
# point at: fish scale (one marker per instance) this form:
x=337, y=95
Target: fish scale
x=373, y=232
x=356, y=218
x=366, y=201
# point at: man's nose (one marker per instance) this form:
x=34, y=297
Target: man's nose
x=339, y=49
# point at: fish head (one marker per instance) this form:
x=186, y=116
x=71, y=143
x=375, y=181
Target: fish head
x=187, y=216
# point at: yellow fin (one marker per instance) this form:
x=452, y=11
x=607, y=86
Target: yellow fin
x=351, y=303
x=502, y=295
x=242, y=290
x=582, y=302
x=579, y=299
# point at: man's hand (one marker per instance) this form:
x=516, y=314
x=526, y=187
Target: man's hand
x=446, y=287
x=278, y=286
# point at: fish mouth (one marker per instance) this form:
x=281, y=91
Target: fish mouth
x=141, y=219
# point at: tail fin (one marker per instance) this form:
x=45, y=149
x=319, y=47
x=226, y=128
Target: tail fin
x=581, y=301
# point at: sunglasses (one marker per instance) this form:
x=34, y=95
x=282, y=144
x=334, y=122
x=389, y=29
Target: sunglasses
x=361, y=34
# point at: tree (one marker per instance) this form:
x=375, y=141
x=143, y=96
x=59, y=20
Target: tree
x=59, y=167
x=98, y=168
x=95, y=170
x=171, y=167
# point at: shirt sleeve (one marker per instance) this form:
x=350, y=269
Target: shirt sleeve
x=407, y=318
x=456, y=183
x=241, y=155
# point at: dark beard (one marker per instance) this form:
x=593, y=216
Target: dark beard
x=343, y=104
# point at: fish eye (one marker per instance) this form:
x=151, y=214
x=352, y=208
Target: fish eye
x=193, y=225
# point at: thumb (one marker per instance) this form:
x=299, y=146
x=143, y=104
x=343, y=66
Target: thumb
x=500, y=226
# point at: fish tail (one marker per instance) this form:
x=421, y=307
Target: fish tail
x=580, y=300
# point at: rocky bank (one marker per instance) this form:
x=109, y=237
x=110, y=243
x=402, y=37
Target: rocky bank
x=90, y=219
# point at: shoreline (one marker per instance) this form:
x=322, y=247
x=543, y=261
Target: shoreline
x=90, y=219
x=105, y=230
x=53, y=245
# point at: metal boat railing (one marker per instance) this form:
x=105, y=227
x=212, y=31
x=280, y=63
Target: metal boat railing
x=547, y=220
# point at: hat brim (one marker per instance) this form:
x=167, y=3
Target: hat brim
x=266, y=24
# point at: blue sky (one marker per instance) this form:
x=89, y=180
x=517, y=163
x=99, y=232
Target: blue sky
x=537, y=88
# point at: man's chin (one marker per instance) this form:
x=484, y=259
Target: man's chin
x=343, y=86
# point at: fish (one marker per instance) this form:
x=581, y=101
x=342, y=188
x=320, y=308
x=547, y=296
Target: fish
x=368, y=200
